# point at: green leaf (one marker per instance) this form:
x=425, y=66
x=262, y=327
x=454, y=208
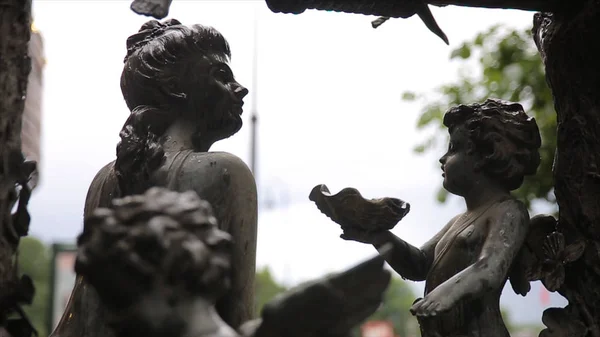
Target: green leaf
x=464, y=52
x=34, y=260
x=420, y=148
x=442, y=195
x=409, y=96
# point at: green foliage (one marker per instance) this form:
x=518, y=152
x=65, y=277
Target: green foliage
x=265, y=288
x=499, y=63
x=398, y=299
x=34, y=260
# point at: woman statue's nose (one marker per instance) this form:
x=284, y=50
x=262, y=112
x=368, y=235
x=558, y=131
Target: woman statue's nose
x=241, y=92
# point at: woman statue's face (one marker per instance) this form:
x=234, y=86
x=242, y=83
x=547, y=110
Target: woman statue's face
x=219, y=95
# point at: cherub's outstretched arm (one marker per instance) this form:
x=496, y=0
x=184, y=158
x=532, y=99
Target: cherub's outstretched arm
x=504, y=240
x=407, y=260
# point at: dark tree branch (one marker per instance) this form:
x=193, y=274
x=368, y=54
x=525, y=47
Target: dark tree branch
x=527, y=5
x=159, y=9
x=406, y=8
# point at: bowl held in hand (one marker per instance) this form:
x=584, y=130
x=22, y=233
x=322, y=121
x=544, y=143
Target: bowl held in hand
x=349, y=209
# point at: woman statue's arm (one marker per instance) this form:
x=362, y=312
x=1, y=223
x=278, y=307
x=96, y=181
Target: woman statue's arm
x=407, y=260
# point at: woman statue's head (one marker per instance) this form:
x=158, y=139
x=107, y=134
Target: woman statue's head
x=162, y=247
x=173, y=72
x=183, y=71
x=495, y=138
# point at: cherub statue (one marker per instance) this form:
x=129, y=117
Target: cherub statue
x=183, y=98
x=159, y=263
x=465, y=266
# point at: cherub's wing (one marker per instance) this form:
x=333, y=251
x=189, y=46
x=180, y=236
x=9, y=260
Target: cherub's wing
x=328, y=307
x=527, y=266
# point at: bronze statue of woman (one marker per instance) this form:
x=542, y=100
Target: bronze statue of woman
x=183, y=98
x=466, y=265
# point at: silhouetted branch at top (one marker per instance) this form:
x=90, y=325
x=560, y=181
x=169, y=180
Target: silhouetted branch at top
x=407, y=8
x=159, y=9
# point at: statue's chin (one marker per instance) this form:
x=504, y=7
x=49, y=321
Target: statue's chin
x=229, y=129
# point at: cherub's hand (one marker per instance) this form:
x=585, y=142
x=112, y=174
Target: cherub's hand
x=352, y=234
x=434, y=303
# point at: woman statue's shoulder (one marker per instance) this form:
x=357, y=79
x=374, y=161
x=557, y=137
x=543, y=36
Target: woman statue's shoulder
x=216, y=160
x=209, y=167
x=513, y=207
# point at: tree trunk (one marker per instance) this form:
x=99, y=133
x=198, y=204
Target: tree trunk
x=570, y=48
x=15, y=30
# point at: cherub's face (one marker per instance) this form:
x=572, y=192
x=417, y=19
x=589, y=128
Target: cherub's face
x=459, y=163
x=155, y=314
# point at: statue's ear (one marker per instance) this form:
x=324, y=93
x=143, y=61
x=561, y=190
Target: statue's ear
x=172, y=88
x=478, y=165
x=470, y=148
x=478, y=159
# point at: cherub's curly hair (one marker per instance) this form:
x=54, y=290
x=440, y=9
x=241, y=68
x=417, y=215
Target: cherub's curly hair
x=161, y=238
x=504, y=136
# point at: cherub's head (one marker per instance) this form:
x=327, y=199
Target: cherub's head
x=495, y=139
x=155, y=250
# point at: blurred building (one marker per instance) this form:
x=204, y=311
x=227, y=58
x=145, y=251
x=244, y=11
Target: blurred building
x=377, y=329
x=31, y=131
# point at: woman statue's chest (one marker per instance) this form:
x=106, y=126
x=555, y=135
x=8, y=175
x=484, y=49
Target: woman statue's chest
x=216, y=177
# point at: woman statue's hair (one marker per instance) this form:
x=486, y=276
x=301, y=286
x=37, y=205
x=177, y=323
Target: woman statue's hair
x=161, y=238
x=507, y=140
x=159, y=70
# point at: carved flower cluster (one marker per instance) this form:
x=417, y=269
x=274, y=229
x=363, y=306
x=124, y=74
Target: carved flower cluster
x=557, y=256
x=561, y=322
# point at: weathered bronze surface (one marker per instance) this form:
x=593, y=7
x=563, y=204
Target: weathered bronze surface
x=492, y=147
x=183, y=97
x=158, y=262
x=350, y=210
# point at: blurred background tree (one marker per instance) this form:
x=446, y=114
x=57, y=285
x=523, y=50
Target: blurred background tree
x=265, y=288
x=498, y=63
x=34, y=260
x=399, y=297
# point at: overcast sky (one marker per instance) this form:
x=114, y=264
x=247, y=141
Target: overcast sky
x=330, y=111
